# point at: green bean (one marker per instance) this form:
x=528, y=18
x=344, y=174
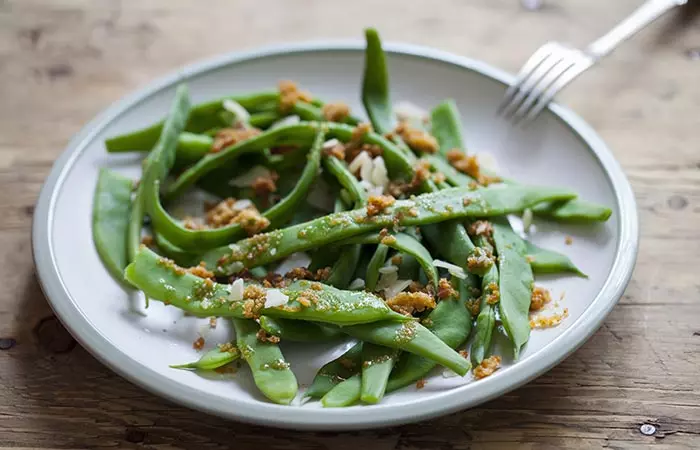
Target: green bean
x=377, y=362
x=447, y=126
x=404, y=244
x=548, y=261
x=203, y=117
x=573, y=211
x=344, y=393
x=422, y=210
x=156, y=167
x=412, y=337
x=298, y=330
x=375, y=263
x=161, y=280
x=344, y=268
x=450, y=321
x=375, y=84
x=486, y=320
x=172, y=251
x=270, y=371
x=191, y=148
x=336, y=371
x=213, y=359
x=188, y=239
x=296, y=134
x=452, y=175
x=346, y=179
x=515, y=284
x=110, y=220
x=409, y=267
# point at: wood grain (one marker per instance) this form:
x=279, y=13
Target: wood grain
x=63, y=61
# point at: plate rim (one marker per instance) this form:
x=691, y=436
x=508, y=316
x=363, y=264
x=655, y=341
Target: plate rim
x=335, y=419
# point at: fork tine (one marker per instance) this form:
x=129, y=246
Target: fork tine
x=544, y=83
x=571, y=73
x=531, y=64
x=532, y=80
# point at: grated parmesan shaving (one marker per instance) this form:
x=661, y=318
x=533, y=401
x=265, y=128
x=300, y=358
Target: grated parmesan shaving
x=357, y=283
x=359, y=161
x=388, y=269
x=379, y=176
x=396, y=287
x=274, y=298
x=454, y=270
x=407, y=111
x=330, y=143
x=239, y=112
x=289, y=120
x=241, y=204
x=235, y=292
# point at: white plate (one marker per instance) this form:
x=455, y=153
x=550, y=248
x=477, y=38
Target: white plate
x=560, y=149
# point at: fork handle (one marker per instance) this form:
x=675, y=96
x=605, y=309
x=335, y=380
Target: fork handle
x=641, y=17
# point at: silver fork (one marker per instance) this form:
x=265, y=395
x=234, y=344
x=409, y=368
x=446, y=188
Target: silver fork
x=555, y=65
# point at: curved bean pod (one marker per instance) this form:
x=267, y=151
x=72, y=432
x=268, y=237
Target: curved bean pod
x=344, y=393
x=405, y=244
x=160, y=279
x=335, y=372
x=270, y=371
x=298, y=330
x=213, y=359
x=486, y=320
x=110, y=220
x=515, y=284
x=548, y=261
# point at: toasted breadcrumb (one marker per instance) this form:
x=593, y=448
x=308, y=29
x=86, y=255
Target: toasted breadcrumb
x=201, y=271
x=473, y=306
x=337, y=151
x=481, y=259
x=529, y=258
x=212, y=322
x=410, y=302
x=445, y=289
x=193, y=223
x=251, y=221
x=227, y=137
x=416, y=286
x=322, y=274
x=198, y=344
x=494, y=294
x=417, y=139
x=569, y=240
x=299, y=273
x=396, y=260
x=421, y=172
x=377, y=203
x=487, y=367
x=358, y=133
x=464, y=163
x=264, y=186
x=540, y=297
x=420, y=384
x=275, y=280
x=481, y=228
x=227, y=347
x=336, y=111
x=264, y=336
x=464, y=354
x=549, y=321
x=254, y=297
x=290, y=95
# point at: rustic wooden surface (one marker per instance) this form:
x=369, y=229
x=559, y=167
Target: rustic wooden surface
x=63, y=61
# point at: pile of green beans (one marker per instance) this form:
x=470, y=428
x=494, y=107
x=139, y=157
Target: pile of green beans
x=373, y=276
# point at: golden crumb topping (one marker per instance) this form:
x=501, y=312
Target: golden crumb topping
x=227, y=137
x=569, y=240
x=487, y=367
x=481, y=228
x=254, y=297
x=416, y=138
x=464, y=163
x=198, y=344
x=410, y=302
x=290, y=95
x=147, y=240
x=377, y=203
x=336, y=111
x=251, y=221
x=201, y=271
x=494, y=295
x=480, y=260
x=445, y=289
x=420, y=384
x=540, y=297
x=212, y=322
x=264, y=336
x=337, y=151
x=473, y=306
x=549, y=321
x=265, y=185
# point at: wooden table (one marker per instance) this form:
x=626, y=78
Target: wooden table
x=63, y=61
